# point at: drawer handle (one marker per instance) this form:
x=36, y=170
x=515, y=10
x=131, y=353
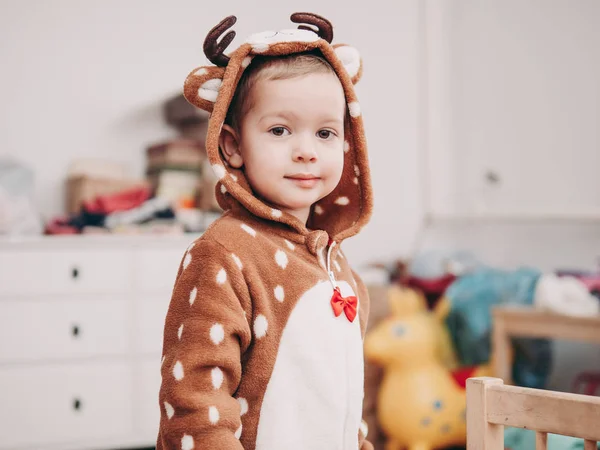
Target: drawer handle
x=75, y=273
x=77, y=405
x=75, y=330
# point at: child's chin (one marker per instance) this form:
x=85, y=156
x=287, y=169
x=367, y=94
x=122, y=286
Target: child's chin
x=299, y=201
x=297, y=206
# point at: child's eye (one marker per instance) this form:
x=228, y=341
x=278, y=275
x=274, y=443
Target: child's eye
x=324, y=134
x=279, y=131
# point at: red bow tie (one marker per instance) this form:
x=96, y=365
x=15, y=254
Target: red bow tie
x=346, y=304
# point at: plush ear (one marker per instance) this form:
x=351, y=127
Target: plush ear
x=350, y=59
x=202, y=86
x=442, y=309
x=405, y=301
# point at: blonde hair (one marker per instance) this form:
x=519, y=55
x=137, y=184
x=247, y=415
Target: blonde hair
x=272, y=68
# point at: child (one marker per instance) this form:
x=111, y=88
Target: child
x=263, y=338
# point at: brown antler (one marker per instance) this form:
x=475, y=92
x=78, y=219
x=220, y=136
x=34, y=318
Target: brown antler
x=214, y=50
x=324, y=27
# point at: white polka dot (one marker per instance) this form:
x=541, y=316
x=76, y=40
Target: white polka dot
x=217, y=333
x=217, y=377
x=169, y=410
x=354, y=109
x=276, y=213
x=180, y=332
x=346, y=146
x=260, y=326
x=279, y=295
x=281, y=258
x=238, y=261
x=213, y=415
x=187, y=260
x=222, y=276
x=178, y=371
x=337, y=266
x=243, y=406
x=201, y=71
x=187, y=442
x=364, y=428
x=289, y=244
x=193, y=295
x=357, y=170
x=238, y=433
x=246, y=61
x=223, y=189
x=343, y=201
x=248, y=230
x=355, y=181
x=260, y=47
x=234, y=177
x=219, y=170
x=318, y=209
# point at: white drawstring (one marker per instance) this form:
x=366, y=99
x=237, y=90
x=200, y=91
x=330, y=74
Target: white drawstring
x=329, y=271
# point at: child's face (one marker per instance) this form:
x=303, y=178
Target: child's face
x=291, y=141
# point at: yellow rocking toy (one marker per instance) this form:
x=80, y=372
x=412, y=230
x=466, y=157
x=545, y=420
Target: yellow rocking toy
x=421, y=401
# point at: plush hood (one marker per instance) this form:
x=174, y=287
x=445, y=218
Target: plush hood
x=348, y=208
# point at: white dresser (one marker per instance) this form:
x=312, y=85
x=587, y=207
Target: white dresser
x=81, y=323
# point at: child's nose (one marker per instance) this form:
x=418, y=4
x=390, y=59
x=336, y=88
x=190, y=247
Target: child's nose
x=304, y=150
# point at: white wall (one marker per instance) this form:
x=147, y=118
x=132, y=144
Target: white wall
x=515, y=89
x=87, y=78
x=458, y=86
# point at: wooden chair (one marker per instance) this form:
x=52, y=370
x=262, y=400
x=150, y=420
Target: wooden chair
x=492, y=405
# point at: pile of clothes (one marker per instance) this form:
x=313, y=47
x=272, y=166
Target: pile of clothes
x=472, y=288
x=117, y=212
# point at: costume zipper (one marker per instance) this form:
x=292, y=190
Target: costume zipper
x=335, y=287
x=329, y=271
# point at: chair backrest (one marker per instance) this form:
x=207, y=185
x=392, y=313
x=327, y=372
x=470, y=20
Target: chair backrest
x=491, y=406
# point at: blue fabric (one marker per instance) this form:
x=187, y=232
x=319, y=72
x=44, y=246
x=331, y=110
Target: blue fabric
x=469, y=321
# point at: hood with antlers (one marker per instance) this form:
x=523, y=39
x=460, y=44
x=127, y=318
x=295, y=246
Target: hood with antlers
x=211, y=88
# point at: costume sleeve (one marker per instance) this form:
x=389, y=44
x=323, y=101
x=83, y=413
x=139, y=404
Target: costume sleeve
x=363, y=295
x=205, y=334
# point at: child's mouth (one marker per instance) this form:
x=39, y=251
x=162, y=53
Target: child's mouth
x=304, y=180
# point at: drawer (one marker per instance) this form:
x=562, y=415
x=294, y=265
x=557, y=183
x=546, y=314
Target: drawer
x=147, y=414
x=150, y=315
x=41, y=406
x=38, y=330
x=26, y=272
x=156, y=269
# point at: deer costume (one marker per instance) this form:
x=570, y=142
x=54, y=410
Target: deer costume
x=263, y=340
